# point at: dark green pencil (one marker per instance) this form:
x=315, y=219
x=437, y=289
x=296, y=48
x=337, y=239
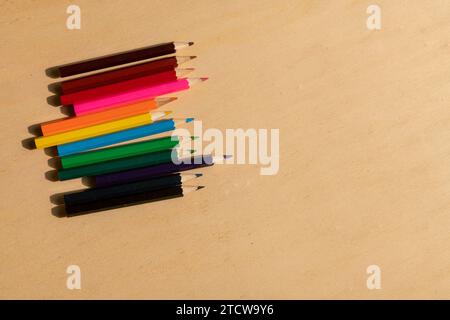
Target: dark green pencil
x=119, y=164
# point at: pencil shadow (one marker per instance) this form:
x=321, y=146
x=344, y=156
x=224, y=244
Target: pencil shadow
x=67, y=110
x=52, y=151
x=53, y=72
x=58, y=198
x=28, y=143
x=51, y=175
x=54, y=100
x=88, y=181
x=59, y=211
x=54, y=163
x=35, y=129
x=55, y=88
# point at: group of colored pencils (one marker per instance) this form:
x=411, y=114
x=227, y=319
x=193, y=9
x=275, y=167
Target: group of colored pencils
x=111, y=108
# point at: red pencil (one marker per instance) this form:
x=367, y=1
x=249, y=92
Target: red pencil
x=122, y=74
x=124, y=87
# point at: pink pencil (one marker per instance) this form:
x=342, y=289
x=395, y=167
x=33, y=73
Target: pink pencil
x=120, y=98
x=124, y=86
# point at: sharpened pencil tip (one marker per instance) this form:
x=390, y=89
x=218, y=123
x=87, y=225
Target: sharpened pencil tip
x=189, y=120
x=194, y=137
x=167, y=112
x=163, y=101
x=191, y=43
x=198, y=175
x=227, y=156
x=200, y=187
x=204, y=78
x=192, y=57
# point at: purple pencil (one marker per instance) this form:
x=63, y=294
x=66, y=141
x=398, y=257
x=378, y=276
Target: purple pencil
x=106, y=180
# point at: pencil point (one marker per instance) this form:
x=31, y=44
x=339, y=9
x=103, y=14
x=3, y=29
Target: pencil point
x=163, y=101
x=204, y=78
x=227, y=156
x=181, y=45
x=200, y=187
x=167, y=112
x=194, y=137
x=198, y=174
x=189, y=120
x=192, y=57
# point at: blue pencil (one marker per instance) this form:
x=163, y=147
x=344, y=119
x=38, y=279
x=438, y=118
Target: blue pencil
x=117, y=137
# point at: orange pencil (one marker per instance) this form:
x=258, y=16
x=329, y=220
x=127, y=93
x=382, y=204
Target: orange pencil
x=72, y=123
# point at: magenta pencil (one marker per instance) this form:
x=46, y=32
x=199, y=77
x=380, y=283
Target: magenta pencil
x=123, y=86
x=120, y=98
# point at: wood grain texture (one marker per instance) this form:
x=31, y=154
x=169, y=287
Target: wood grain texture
x=365, y=153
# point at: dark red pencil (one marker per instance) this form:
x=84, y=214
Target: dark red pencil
x=121, y=58
x=122, y=74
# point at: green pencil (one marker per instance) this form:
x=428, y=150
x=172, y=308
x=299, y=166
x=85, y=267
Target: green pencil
x=118, y=152
x=144, y=160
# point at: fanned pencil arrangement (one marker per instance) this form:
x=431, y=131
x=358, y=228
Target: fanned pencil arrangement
x=111, y=108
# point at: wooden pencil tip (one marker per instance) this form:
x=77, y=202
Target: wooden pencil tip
x=197, y=175
x=163, y=101
x=192, y=57
x=191, y=43
x=200, y=187
x=167, y=112
x=204, y=78
x=189, y=120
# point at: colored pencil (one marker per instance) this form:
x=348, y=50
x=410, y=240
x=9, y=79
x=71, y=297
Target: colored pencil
x=117, y=99
x=134, y=199
x=106, y=180
x=121, y=151
x=121, y=58
x=123, y=87
x=120, y=136
x=122, y=74
x=99, y=129
x=97, y=194
x=72, y=123
x=121, y=164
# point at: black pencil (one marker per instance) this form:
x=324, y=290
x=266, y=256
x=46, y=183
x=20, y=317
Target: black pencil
x=120, y=58
x=130, y=200
x=98, y=194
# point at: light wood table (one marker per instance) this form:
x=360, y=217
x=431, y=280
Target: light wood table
x=364, y=177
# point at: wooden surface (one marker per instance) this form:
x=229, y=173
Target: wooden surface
x=364, y=176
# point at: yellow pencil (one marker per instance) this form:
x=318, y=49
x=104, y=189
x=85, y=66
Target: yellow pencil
x=100, y=129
